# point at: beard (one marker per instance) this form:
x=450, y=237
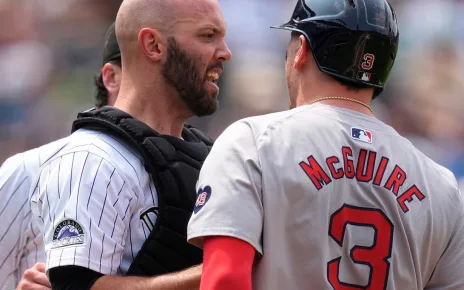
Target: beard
x=181, y=72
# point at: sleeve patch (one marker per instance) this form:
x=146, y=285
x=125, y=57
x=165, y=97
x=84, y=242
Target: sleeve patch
x=68, y=233
x=203, y=196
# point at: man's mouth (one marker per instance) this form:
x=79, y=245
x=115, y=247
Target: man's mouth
x=213, y=77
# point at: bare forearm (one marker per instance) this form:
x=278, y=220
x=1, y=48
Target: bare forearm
x=185, y=280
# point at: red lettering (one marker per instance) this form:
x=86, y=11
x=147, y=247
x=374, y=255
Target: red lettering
x=396, y=179
x=367, y=175
x=336, y=174
x=349, y=166
x=380, y=171
x=315, y=172
x=407, y=196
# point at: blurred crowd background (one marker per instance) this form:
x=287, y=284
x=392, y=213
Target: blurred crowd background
x=50, y=50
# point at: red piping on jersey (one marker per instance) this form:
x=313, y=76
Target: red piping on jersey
x=227, y=264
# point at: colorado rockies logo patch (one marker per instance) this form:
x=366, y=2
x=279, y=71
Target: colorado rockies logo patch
x=202, y=197
x=68, y=233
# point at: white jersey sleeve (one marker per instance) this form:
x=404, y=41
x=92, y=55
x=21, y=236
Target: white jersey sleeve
x=85, y=206
x=14, y=215
x=448, y=274
x=229, y=201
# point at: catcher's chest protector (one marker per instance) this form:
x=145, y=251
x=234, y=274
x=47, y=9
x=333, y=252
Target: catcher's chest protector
x=174, y=165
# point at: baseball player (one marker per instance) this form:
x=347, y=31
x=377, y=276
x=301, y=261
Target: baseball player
x=97, y=202
x=21, y=244
x=326, y=196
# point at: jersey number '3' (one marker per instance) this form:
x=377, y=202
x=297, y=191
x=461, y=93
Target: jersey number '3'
x=375, y=256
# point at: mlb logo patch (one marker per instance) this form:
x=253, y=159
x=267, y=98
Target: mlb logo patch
x=203, y=196
x=364, y=76
x=361, y=135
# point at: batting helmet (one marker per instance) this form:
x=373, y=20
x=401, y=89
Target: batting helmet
x=352, y=40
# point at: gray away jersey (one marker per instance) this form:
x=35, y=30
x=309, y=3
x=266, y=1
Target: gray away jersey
x=332, y=199
x=96, y=203
x=21, y=244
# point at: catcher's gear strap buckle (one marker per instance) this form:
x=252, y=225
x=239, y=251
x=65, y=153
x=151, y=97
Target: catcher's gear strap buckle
x=174, y=165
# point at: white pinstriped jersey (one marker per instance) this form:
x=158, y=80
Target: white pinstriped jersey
x=332, y=199
x=96, y=202
x=20, y=236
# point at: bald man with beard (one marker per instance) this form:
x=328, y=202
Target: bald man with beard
x=92, y=195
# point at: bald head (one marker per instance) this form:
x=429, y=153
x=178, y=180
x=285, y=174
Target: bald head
x=160, y=15
x=134, y=15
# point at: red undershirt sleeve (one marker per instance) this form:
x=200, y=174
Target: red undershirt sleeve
x=227, y=264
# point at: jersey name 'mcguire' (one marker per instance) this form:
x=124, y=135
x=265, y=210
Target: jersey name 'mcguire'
x=363, y=169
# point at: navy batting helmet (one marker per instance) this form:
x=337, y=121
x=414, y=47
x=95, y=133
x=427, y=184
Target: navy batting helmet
x=352, y=40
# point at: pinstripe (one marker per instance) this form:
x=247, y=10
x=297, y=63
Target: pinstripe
x=122, y=253
x=35, y=244
x=9, y=254
x=58, y=179
x=6, y=205
x=72, y=149
x=28, y=213
x=53, y=155
x=119, y=193
x=19, y=211
x=70, y=181
x=101, y=255
x=36, y=251
x=93, y=183
x=114, y=225
x=46, y=192
x=124, y=145
x=90, y=243
x=79, y=186
x=112, y=258
x=59, y=263
x=135, y=171
x=128, y=204
x=130, y=239
x=106, y=195
x=27, y=258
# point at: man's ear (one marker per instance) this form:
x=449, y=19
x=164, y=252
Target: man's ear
x=152, y=43
x=109, y=77
x=302, y=53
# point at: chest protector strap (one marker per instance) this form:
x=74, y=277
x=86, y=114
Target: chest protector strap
x=174, y=166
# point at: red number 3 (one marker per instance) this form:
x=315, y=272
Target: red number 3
x=368, y=61
x=376, y=256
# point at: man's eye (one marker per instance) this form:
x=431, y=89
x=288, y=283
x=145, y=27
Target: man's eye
x=208, y=35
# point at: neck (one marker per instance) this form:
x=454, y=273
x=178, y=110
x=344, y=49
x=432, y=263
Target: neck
x=158, y=108
x=348, y=99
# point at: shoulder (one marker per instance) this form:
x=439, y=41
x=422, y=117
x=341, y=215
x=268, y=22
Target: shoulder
x=35, y=158
x=13, y=165
x=258, y=126
x=14, y=186
x=87, y=146
x=445, y=179
x=13, y=175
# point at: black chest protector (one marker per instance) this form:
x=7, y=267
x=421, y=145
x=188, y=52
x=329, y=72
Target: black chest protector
x=174, y=165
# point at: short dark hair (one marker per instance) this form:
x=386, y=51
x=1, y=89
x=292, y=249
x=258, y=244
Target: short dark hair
x=101, y=93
